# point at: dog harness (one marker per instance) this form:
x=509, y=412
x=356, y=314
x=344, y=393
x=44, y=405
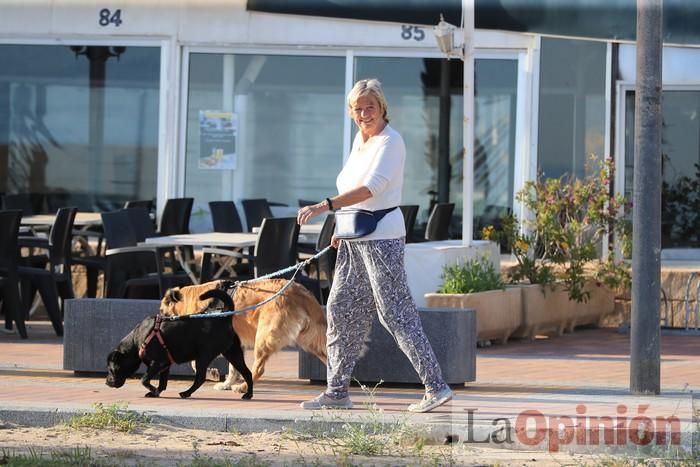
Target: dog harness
x=155, y=332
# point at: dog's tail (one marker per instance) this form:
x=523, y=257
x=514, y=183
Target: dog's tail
x=220, y=295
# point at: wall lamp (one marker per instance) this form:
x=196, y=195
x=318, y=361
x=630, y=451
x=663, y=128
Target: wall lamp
x=98, y=52
x=445, y=37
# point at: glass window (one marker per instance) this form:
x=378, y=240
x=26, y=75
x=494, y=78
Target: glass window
x=572, y=106
x=680, y=151
x=79, y=124
x=495, y=106
x=287, y=141
x=417, y=96
x=419, y=92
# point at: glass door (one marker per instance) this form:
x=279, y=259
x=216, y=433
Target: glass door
x=426, y=106
x=680, y=152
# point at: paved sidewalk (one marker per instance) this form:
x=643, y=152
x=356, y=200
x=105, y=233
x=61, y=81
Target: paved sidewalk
x=550, y=393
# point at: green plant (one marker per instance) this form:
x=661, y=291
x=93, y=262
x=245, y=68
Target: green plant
x=530, y=268
x=115, y=416
x=570, y=219
x=473, y=275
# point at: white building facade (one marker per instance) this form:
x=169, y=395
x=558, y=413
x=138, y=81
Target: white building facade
x=101, y=103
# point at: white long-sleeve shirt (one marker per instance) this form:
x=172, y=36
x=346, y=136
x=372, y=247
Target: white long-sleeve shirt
x=378, y=164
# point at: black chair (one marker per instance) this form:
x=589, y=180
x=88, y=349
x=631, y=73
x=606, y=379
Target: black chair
x=12, y=305
x=438, y=227
x=325, y=265
x=224, y=216
x=275, y=249
x=410, y=212
x=175, y=219
x=133, y=271
x=255, y=211
x=140, y=203
x=56, y=280
x=140, y=227
x=28, y=203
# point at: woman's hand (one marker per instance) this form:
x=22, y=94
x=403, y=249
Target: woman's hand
x=306, y=213
x=335, y=242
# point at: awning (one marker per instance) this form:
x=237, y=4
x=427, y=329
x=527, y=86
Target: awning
x=603, y=19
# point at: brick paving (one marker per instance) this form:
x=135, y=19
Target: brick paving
x=587, y=371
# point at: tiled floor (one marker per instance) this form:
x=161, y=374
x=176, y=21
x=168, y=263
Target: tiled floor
x=553, y=376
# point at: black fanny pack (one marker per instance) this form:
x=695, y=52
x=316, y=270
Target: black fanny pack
x=356, y=223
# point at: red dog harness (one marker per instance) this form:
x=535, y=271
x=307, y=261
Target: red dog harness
x=155, y=332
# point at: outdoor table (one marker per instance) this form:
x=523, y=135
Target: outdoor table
x=212, y=239
x=82, y=219
x=308, y=233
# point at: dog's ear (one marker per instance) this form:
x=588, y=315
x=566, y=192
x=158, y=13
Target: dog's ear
x=172, y=296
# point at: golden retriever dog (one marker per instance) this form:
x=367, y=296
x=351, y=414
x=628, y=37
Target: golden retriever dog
x=295, y=317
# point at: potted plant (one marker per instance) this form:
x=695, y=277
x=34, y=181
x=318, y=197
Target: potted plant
x=570, y=219
x=475, y=283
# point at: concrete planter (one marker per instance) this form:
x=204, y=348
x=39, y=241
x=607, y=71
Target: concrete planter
x=601, y=303
x=451, y=332
x=546, y=310
x=94, y=326
x=498, y=312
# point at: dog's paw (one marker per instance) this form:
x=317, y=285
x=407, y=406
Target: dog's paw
x=152, y=394
x=240, y=388
x=222, y=386
x=185, y=394
x=247, y=396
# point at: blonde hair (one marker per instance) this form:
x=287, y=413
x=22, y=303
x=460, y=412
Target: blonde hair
x=367, y=87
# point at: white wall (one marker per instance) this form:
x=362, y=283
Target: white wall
x=212, y=22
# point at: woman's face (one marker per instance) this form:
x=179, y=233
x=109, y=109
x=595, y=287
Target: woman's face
x=368, y=115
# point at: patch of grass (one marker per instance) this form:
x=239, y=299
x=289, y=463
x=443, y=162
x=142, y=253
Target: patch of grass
x=113, y=417
x=199, y=460
x=76, y=456
x=374, y=435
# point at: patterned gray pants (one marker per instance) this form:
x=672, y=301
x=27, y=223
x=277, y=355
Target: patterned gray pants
x=370, y=276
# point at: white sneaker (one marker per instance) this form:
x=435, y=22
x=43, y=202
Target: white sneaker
x=430, y=401
x=323, y=401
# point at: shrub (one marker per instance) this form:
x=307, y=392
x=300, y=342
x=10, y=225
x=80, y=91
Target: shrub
x=570, y=219
x=474, y=275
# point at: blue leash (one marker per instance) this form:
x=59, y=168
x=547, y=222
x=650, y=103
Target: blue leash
x=221, y=314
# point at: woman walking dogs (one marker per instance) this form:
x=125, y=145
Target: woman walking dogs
x=370, y=274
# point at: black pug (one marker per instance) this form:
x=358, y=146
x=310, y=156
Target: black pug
x=184, y=340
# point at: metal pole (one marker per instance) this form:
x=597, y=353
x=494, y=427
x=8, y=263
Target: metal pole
x=468, y=124
x=646, y=220
x=444, y=169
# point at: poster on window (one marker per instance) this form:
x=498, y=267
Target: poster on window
x=217, y=139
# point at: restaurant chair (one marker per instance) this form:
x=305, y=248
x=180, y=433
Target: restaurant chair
x=140, y=203
x=56, y=280
x=175, y=219
x=255, y=210
x=438, y=227
x=410, y=212
x=28, y=203
x=131, y=270
x=306, y=202
x=12, y=305
x=324, y=266
x=275, y=249
x=224, y=216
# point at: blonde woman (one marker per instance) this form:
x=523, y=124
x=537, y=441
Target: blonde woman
x=370, y=276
